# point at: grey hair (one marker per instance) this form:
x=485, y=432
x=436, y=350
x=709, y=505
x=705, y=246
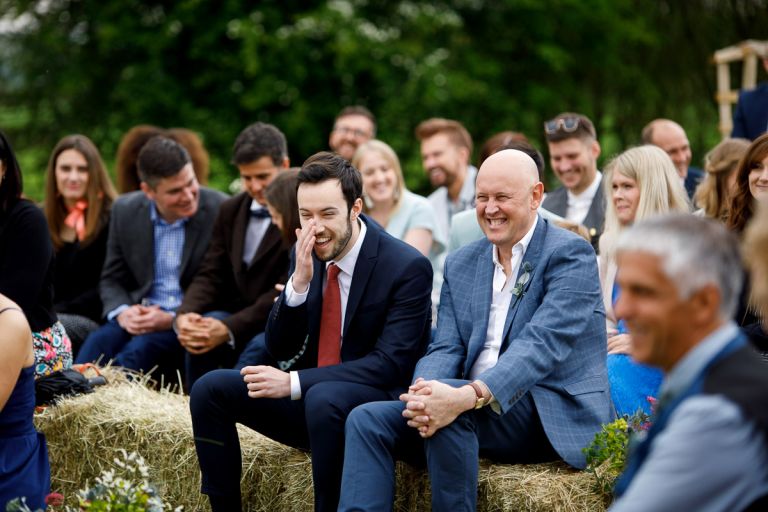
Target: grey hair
x=695, y=252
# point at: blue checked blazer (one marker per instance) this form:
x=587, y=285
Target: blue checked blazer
x=554, y=341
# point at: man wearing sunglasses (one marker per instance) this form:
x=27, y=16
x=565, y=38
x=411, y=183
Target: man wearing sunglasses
x=573, y=151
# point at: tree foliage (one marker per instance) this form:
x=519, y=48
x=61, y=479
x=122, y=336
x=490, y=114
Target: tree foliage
x=99, y=67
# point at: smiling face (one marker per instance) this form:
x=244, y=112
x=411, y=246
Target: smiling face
x=256, y=177
x=574, y=162
x=672, y=139
x=336, y=228
x=758, y=179
x=625, y=197
x=443, y=161
x=348, y=133
x=71, y=172
x=507, y=195
x=379, y=177
x=650, y=303
x=177, y=196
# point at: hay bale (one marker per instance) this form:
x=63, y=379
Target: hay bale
x=86, y=433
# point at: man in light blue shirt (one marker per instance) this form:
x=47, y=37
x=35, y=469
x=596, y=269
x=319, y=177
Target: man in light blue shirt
x=707, y=448
x=157, y=238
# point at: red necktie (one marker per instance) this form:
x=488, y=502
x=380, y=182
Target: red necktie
x=330, y=322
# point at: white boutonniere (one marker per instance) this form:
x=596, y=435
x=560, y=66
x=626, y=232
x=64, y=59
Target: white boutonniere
x=519, y=289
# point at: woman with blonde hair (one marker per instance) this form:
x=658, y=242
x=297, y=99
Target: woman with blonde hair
x=640, y=182
x=713, y=194
x=403, y=214
x=78, y=198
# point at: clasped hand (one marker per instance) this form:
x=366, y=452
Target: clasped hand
x=138, y=319
x=431, y=405
x=200, y=334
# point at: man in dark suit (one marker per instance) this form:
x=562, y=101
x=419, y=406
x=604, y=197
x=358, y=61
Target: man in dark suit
x=750, y=119
x=355, y=315
x=521, y=330
x=573, y=152
x=227, y=303
x=706, y=449
x=157, y=238
x=670, y=136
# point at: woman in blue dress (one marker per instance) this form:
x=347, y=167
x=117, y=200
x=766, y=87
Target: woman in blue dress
x=24, y=469
x=640, y=182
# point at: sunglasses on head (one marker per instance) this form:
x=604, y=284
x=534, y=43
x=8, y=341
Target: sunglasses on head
x=567, y=124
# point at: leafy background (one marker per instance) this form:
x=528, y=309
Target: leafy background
x=99, y=67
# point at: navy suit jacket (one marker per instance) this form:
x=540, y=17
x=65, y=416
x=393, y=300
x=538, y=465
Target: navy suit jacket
x=692, y=180
x=554, y=341
x=751, y=116
x=387, y=322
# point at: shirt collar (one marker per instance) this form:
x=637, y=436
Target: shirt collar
x=520, y=246
x=467, y=193
x=590, y=191
x=691, y=364
x=255, y=206
x=157, y=220
x=347, y=263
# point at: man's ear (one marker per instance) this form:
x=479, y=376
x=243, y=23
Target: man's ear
x=595, y=149
x=463, y=154
x=147, y=190
x=286, y=163
x=357, y=207
x=705, y=303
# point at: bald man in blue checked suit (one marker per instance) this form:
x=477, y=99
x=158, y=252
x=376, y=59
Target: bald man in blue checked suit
x=516, y=370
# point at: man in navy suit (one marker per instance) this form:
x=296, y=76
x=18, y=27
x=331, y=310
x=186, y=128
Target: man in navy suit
x=516, y=370
x=750, y=119
x=354, y=317
x=670, y=136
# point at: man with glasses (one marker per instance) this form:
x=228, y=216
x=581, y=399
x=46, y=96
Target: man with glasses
x=573, y=152
x=353, y=126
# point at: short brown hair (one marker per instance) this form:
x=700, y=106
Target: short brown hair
x=458, y=135
x=584, y=130
x=358, y=110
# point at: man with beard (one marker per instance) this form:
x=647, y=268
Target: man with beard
x=573, y=152
x=355, y=315
x=670, y=136
x=353, y=126
x=446, y=148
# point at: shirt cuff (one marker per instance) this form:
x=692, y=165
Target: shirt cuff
x=231, y=340
x=292, y=297
x=295, y=386
x=119, y=309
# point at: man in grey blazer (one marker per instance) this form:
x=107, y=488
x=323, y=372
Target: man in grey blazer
x=157, y=238
x=573, y=152
x=516, y=370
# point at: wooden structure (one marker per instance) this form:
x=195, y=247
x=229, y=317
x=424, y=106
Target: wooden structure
x=749, y=52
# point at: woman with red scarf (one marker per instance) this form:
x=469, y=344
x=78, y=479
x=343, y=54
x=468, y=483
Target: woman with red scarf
x=78, y=198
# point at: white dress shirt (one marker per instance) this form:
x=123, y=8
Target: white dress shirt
x=254, y=233
x=346, y=268
x=503, y=286
x=578, y=204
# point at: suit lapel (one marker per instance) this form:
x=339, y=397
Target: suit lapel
x=366, y=261
x=145, y=237
x=191, y=232
x=531, y=257
x=315, y=297
x=239, y=227
x=480, y=307
x=271, y=238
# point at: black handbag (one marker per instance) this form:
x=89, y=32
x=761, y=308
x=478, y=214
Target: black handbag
x=63, y=383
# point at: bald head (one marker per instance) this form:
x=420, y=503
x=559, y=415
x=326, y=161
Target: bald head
x=670, y=136
x=515, y=162
x=508, y=193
